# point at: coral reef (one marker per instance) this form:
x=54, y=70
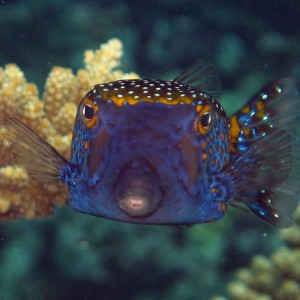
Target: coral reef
x=52, y=117
x=276, y=277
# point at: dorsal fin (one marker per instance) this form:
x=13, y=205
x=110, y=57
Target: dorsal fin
x=202, y=75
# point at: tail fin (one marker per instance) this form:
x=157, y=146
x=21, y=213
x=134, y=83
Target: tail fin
x=265, y=170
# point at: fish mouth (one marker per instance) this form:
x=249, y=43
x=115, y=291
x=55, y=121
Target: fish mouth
x=138, y=192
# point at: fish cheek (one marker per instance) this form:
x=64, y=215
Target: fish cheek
x=95, y=155
x=190, y=157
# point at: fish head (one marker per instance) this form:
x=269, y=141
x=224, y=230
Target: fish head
x=148, y=158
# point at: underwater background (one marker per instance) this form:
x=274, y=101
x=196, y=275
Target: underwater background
x=73, y=256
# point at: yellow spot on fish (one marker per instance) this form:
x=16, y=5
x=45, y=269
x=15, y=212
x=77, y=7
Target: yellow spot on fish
x=246, y=110
x=260, y=105
x=199, y=108
x=234, y=127
x=247, y=131
x=261, y=111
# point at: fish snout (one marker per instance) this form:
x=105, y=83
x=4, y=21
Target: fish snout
x=138, y=192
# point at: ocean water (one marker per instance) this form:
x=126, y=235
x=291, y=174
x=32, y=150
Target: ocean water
x=68, y=255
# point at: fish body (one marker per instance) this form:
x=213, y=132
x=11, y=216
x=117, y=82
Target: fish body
x=151, y=147
x=164, y=152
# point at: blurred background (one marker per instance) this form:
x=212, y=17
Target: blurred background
x=73, y=256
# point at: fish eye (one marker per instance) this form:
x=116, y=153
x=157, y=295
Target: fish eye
x=203, y=121
x=89, y=112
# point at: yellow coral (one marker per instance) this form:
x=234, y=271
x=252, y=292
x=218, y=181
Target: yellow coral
x=52, y=117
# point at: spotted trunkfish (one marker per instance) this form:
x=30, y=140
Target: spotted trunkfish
x=164, y=152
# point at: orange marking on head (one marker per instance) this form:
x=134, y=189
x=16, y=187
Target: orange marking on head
x=213, y=190
x=199, y=108
x=204, y=156
x=92, y=122
x=138, y=97
x=206, y=108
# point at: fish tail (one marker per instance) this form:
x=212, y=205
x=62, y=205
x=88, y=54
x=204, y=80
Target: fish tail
x=265, y=168
x=30, y=151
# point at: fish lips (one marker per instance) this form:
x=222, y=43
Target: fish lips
x=138, y=191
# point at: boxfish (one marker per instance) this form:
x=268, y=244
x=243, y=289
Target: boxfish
x=157, y=152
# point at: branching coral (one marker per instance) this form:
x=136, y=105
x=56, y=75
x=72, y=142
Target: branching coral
x=273, y=278
x=52, y=117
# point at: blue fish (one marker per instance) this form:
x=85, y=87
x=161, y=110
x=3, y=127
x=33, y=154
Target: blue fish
x=164, y=152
